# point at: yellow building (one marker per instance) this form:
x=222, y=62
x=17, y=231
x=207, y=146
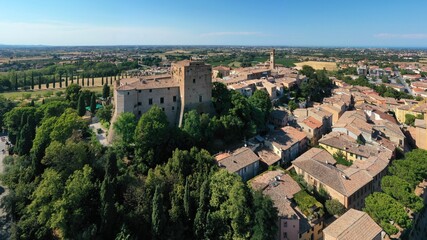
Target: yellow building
x=419, y=109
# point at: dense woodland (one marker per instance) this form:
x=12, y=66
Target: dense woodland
x=155, y=182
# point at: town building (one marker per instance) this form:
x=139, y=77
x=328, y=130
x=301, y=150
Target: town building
x=292, y=223
x=288, y=143
x=353, y=225
x=350, y=185
x=242, y=161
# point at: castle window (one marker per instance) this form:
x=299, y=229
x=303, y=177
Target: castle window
x=194, y=80
x=162, y=100
x=128, y=93
x=163, y=109
x=139, y=103
x=150, y=101
x=139, y=112
x=150, y=90
x=200, y=98
x=173, y=108
x=169, y=88
x=174, y=98
x=139, y=91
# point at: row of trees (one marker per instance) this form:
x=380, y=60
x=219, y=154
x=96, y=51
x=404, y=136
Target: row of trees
x=388, y=207
x=83, y=73
x=38, y=81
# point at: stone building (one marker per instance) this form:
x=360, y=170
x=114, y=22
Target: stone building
x=189, y=86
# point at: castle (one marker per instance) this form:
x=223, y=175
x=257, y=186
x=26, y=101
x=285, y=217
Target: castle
x=189, y=86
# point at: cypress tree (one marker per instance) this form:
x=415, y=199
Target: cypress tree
x=87, y=82
x=72, y=78
x=83, y=81
x=200, y=220
x=78, y=79
x=105, y=91
x=32, y=103
x=93, y=103
x=108, y=196
x=40, y=81
x=81, y=108
x=102, y=80
x=53, y=81
x=60, y=80
x=157, y=214
x=32, y=80
x=25, y=81
x=16, y=81
x=66, y=80
x=93, y=81
x=187, y=199
x=47, y=83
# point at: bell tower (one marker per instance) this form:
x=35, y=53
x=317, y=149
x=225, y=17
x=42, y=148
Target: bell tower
x=272, y=61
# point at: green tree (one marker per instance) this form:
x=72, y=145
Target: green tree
x=40, y=81
x=383, y=208
x=32, y=80
x=292, y=105
x=158, y=215
x=402, y=192
x=334, y=207
x=221, y=98
x=72, y=92
x=105, y=91
x=265, y=218
x=151, y=136
x=125, y=126
x=409, y=119
x=105, y=113
x=197, y=126
x=108, y=197
x=202, y=211
x=261, y=104
x=74, y=212
x=67, y=124
x=81, y=106
x=93, y=103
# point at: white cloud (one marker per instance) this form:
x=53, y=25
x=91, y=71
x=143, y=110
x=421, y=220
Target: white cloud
x=401, y=36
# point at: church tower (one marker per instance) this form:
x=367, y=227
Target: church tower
x=272, y=61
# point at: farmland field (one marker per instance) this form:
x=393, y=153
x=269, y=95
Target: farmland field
x=318, y=65
x=30, y=94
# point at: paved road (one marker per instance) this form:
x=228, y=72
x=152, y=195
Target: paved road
x=4, y=223
x=102, y=137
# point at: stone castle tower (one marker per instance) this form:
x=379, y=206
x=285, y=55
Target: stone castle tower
x=272, y=61
x=195, y=86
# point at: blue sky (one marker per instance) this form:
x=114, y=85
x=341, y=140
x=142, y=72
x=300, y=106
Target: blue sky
x=389, y=23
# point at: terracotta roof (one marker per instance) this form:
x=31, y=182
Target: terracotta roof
x=147, y=82
x=280, y=187
x=353, y=225
x=312, y=123
x=237, y=160
x=344, y=142
x=286, y=137
x=268, y=156
x=344, y=182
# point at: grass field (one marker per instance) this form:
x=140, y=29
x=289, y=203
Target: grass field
x=319, y=65
x=35, y=94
